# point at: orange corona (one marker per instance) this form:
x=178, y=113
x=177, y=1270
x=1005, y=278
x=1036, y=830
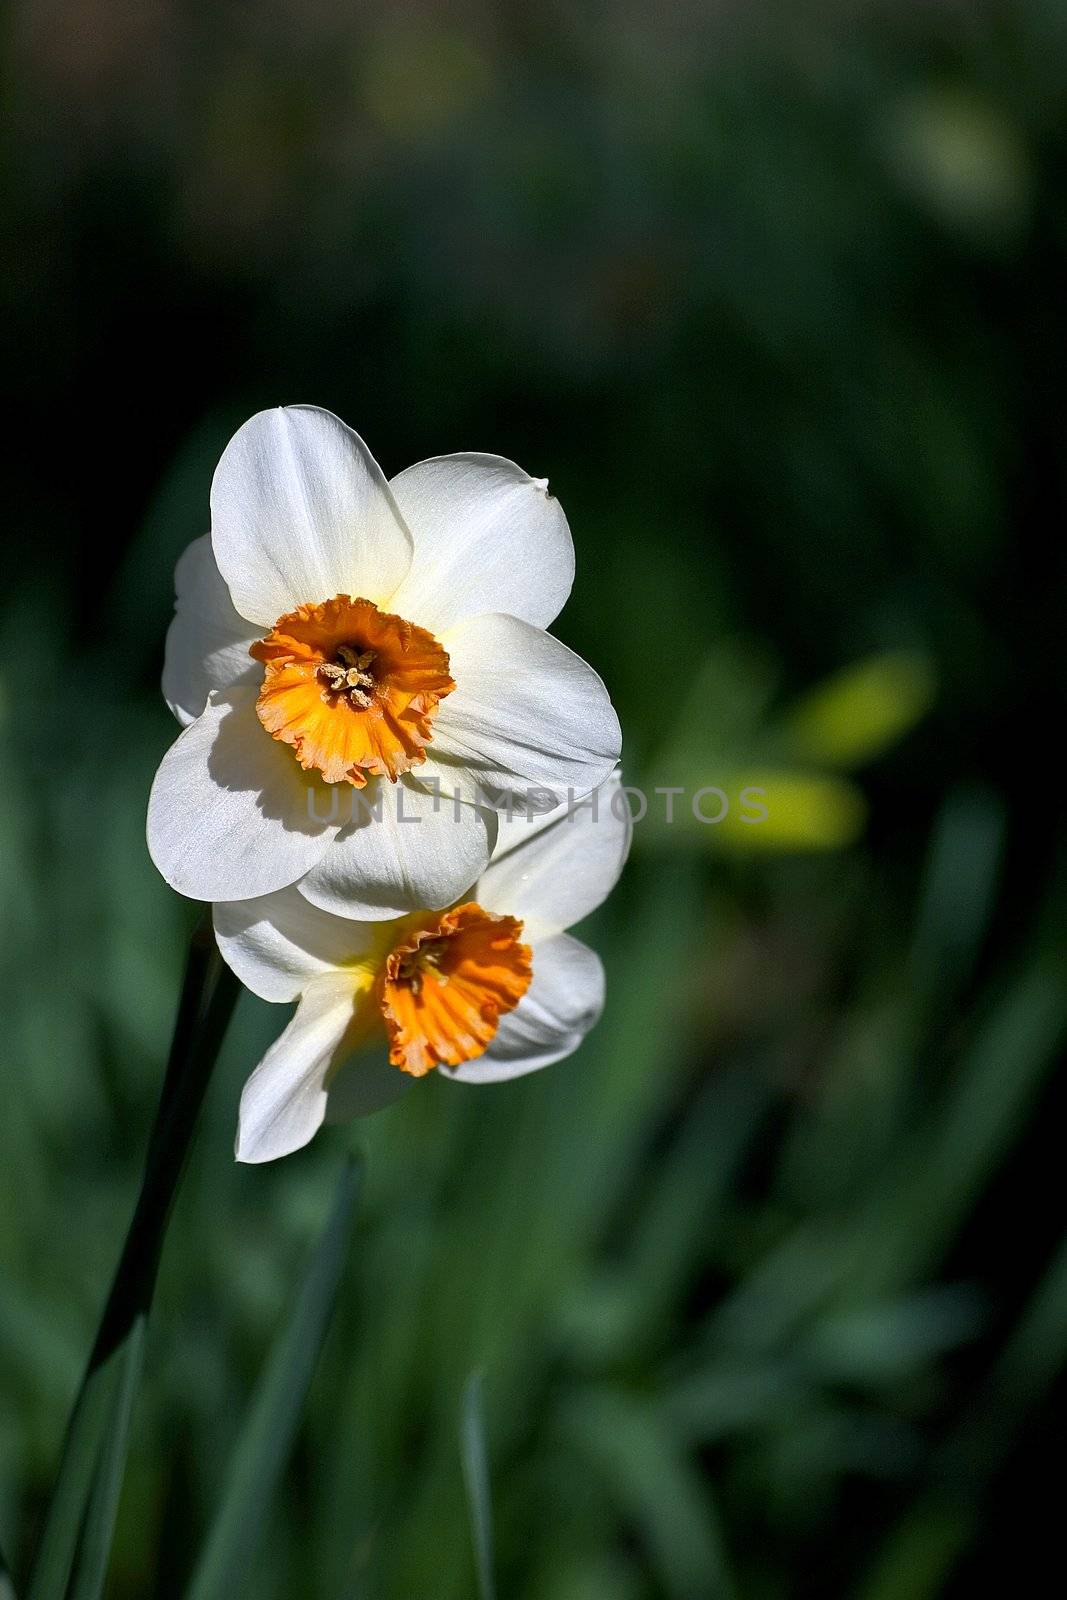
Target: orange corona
x=353, y=689
x=446, y=985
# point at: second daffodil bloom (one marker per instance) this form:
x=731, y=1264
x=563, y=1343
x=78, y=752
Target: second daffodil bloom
x=346, y=651
x=487, y=989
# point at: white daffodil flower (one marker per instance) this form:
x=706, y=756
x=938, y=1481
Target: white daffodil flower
x=364, y=673
x=488, y=989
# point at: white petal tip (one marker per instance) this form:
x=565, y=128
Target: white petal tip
x=248, y=1156
x=257, y=1152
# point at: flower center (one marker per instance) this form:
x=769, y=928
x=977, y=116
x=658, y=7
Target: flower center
x=347, y=675
x=424, y=960
x=446, y=985
x=352, y=689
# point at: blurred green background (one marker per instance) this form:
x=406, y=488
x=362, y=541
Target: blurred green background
x=769, y=1283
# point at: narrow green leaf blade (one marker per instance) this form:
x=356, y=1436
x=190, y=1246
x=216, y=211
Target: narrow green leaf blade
x=55, y=1554
x=476, y=1482
x=262, y=1450
x=99, y=1529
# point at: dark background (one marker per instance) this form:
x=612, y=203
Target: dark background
x=769, y=1284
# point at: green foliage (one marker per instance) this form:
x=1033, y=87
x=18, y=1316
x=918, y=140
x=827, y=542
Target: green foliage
x=80, y=1523
x=862, y=711
x=222, y=1570
x=476, y=1483
x=7, y=1588
x=102, y=1510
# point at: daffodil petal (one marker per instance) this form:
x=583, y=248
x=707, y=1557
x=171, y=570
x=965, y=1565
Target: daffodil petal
x=448, y=779
x=300, y=512
x=228, y=816
x=554, y=869
x=207, y=642
x=280, y=942
x=284, y=1101
x=487, y=537
x=526, y=711
x=564, y=1000
x=416, y=855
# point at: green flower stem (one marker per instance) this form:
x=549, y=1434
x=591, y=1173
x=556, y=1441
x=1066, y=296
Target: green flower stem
x=209, y=993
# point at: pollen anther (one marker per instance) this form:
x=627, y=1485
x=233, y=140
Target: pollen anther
x=347, y=675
